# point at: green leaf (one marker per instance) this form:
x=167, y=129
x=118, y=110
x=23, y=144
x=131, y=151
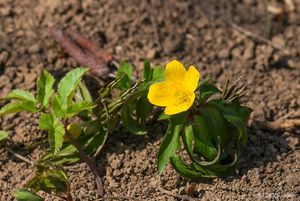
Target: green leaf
x=216, y=125
x=129, y=123
x=147, y=70
x=164, y=116
x=143, y=108
x=168, y=146
x=68, y=85
x=124, y=68
x=55, y=129
x=207, y=90
x=77, y=107
x=240, y=126
x=21, y=95
x=232, y=109
x=85, y=94
x=236, y=115
x=93, y=139
x=184, y=170
x=158, y=74
x=204, y=140
x=57, y=108
x=25, y=195
x=49, y=180
x=3, y=135
x=19, y=106
x=45, y=87
x=188, y=138
x=223, y=170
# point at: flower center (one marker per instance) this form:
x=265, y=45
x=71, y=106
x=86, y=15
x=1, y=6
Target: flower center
x=182, y=98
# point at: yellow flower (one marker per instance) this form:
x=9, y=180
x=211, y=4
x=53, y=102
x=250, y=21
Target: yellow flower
x=176, y=93
x=74, y=129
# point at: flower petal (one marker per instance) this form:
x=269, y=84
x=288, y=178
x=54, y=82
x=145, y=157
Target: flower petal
x=161, y=93
x=179, y=106
x=191, y=78
x=175, y=71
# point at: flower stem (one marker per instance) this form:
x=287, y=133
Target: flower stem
x=91, y=165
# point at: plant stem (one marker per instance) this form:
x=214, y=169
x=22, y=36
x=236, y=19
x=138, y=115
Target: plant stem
x=91, y=165
x=19, y=156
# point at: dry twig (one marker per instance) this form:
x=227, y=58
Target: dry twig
x=84, y=51
x=279, y=124
x=256, y=37
x=19, y=156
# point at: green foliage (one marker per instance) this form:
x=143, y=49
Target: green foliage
x=25, y=195
x=125, y=68
x=168, y=146
x=55, y=129
x=92, y=139
x=147, y=71
x=3, y=135
x=77, y=107
x=142, y=108
x=44, y=88
x=49, y=180
x=21, y=95
x=210, y=132
x=211, y=135
x=207, y=90
x=19, y=106
x=67, y=87
x=158, y=74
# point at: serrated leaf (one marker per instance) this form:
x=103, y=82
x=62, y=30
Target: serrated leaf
x=57, y=108
x=3, y=135
x=49, y=180
x=68, y=85
x=55, y=129
x=184, y=170
x=77, y=107
x=21, y=95
x=93, y=138
x=168, y=146
x=45, y=87
x=19, y=106
x=25, y=195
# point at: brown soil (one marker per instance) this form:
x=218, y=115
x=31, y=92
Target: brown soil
x=196, y=32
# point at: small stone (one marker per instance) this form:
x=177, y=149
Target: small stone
x=34, y=48
x=151, y=54
x=224, y=53
x=173, y=44
x=293, y=142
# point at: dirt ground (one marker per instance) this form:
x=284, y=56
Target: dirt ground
x=203, y=33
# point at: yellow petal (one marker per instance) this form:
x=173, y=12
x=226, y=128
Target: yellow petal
x=161, y=93
x=175, y=72
x=191, y=78
x=180, y=103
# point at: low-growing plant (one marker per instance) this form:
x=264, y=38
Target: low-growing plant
x=206, y=125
